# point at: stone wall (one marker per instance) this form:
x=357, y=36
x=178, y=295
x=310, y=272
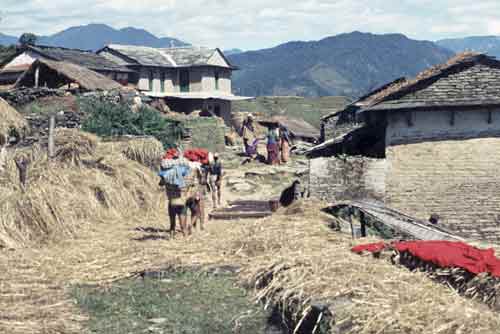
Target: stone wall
x=347, y=178
x=448, y=165
x=19, y=97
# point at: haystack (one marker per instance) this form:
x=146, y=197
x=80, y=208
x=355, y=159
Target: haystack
x=71, y=145
x=144, y=150
x=10, y=119
x=69, y=191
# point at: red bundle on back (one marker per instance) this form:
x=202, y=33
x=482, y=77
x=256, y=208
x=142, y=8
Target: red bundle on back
x=171, y=154
x=197, y=155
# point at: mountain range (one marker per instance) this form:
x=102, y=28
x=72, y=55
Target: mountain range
x=348, y=64
x=484, y=44
x=95, y=36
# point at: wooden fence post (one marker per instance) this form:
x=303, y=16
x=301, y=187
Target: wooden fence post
x=52, y=125
x=22, y=166
x=37, y=76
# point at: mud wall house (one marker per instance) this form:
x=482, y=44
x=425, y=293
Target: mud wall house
x=13, y=67
x=440, y=150
x=189, y=79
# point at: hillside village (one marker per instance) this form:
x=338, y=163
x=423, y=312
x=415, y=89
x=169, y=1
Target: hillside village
x=332, y=214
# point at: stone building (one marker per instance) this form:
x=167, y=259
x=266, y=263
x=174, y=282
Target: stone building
x=188, y=79
x=425, y=146
x=13, y=67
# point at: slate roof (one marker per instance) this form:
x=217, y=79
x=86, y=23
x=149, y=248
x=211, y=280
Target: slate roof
x=466, y=80
x=166, y=57
x=86, y=59
x=84, y=77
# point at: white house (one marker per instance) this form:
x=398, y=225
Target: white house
x=188, y=79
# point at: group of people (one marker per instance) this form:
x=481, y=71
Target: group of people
x=187, y=185
x=278, y=142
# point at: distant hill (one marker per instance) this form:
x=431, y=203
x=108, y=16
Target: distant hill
x=347, y=65
x=7, y=40
x=485, y=44
x=232, y=51
x=96, y=36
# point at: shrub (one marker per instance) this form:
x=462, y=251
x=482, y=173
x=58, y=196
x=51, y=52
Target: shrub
x=110, y=119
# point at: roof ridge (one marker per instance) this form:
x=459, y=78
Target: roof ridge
x=402, y=87
x=59, y=47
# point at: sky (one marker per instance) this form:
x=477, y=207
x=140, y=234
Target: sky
x=257, y=24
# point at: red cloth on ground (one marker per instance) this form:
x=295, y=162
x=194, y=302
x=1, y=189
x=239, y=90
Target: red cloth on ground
x=372, y=248
x=197, y=155
x=445, y=254
x=453, y=254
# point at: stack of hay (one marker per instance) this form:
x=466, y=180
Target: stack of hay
x=10, y=120
x=147, y=151
x=85, y=183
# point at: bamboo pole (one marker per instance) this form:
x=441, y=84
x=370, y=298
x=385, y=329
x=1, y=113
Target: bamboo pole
x=51, y=144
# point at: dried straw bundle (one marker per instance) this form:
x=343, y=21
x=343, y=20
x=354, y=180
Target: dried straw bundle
x=10, y=119
x=71, y=145
x=60, y=196
x=147, y=151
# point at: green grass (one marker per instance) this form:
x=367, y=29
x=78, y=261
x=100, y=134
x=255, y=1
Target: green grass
x=309, y=109
x=187, y=302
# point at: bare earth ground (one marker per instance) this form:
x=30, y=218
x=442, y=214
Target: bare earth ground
x=35, y=284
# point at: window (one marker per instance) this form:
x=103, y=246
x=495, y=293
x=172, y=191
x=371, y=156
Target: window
x=216, y=80
x=162, y=81
x=184, y=81
x=151, y=77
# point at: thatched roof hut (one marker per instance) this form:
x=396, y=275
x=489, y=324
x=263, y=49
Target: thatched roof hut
x=55, y=74
x=10, y=119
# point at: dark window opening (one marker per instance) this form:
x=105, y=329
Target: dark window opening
x=162, y=82
x=151, y=77
x=184, y=81
x=216, y=80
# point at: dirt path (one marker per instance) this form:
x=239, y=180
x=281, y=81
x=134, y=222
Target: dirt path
x=35, y=283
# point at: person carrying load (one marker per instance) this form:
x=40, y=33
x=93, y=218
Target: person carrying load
x=215, y=179
x=177, y=178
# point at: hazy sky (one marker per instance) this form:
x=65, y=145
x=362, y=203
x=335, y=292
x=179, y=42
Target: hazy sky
x=255, y=24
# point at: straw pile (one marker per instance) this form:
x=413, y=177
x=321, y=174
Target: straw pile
x=297, y=265
x=144, y=150
x=483, y=287
x=71, y=145
x=69, y=191
x=294, y=263
x=10, y=119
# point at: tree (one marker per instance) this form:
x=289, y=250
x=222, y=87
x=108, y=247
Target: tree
x=27, y=39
